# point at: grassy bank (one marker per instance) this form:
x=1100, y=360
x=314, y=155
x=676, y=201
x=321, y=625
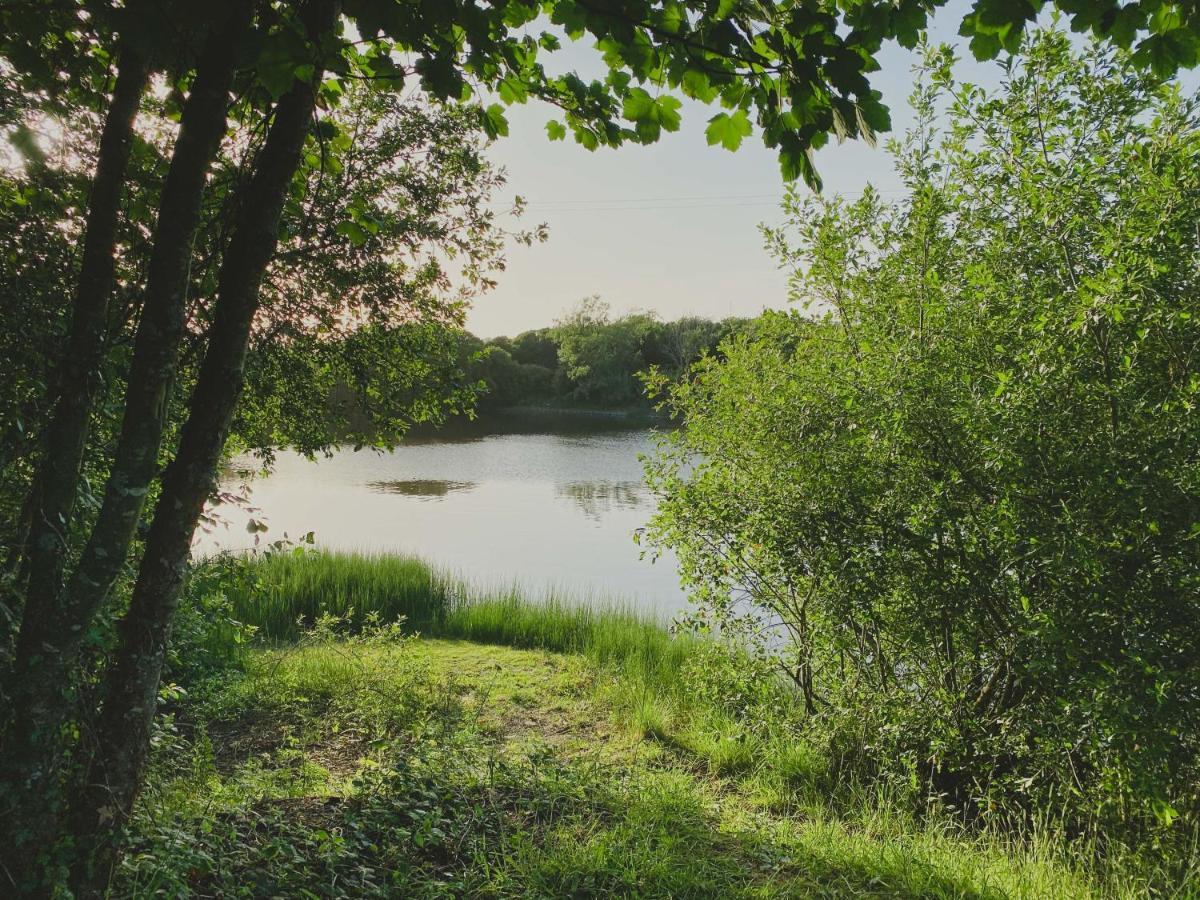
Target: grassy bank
x=520, y=749
x=282, y=595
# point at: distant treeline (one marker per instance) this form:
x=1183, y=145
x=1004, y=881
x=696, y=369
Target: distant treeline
x=589, y=358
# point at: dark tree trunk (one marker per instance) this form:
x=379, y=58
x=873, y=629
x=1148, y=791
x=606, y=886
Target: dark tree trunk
x=161, y=327
x=50, y=504
x=52, y=630
x=131, y=685
x=77, y=379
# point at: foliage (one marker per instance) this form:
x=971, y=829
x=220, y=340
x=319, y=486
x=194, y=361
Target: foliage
x=507, y=382
x=36, y=225
x=207, y=635
x=599, y=356
x=966, y=489
x=801, y=73
x=357, y=336
x=590, y=358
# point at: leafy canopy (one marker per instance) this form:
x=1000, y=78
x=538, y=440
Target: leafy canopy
x=798, y=70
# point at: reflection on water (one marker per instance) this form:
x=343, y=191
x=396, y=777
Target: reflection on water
x=549, y=508
x=422, y=488
x=596, y=499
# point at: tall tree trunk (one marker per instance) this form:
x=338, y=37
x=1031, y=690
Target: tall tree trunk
x=77, y=380
x=131, y=685
x=52, y=631
x=51, y=502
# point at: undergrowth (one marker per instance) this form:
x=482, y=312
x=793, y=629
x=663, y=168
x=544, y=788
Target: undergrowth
x=526, y=750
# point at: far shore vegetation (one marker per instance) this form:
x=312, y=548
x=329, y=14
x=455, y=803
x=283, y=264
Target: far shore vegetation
x=591, y=359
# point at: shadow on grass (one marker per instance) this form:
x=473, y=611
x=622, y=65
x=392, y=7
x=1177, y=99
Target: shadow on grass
x=451, y=821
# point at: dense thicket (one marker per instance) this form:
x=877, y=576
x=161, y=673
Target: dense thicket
x=966, y=482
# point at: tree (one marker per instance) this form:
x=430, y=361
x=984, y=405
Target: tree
x=55, y=618
x=535, y=348
x=380, y=214
x=599, y=355
x=406, y=286
x=682, y=342
x=965, y=486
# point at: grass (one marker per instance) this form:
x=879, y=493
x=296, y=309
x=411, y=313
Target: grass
x=389, y=766
x=526, y=750
x=283, y=594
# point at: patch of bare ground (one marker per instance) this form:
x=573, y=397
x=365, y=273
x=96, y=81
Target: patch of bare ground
x=525, y=698
x=262, y=735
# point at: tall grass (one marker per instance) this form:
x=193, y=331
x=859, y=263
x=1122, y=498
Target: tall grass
x=282, y=594
x=613, y=637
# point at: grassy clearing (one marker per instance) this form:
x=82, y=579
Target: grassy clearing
x=387, y=766
x=529, y=750
x=653, y=679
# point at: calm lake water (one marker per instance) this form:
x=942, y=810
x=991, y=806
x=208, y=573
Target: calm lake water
x=546, y=504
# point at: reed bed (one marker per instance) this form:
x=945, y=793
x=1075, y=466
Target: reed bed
x=283, y=594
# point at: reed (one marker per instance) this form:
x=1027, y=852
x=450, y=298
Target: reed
x=282, y=594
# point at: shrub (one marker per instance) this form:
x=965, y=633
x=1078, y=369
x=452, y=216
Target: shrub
x=966, y=485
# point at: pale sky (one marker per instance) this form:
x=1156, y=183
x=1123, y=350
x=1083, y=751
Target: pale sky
x=672, y=227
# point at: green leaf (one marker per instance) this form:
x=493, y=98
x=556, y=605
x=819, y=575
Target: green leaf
x=673, y=17
x=796, y=163
x=638, y=106
x=352, y=230
x=667, y=108
x=697, y=85
x=587, y=138
x=572, y=19
x=1163, y=811
x=728, y=130
x=494, y=122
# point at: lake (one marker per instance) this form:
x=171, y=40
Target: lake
x=542, y=502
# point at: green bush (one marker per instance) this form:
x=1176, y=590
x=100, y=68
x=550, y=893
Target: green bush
x=966, y=485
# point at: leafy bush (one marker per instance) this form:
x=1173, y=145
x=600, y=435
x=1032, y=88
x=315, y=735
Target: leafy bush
x=966, y=486
x=208, y=633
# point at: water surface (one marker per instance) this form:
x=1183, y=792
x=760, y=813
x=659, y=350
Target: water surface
x=547, y=504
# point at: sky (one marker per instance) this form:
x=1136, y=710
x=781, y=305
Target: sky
x=671, y=227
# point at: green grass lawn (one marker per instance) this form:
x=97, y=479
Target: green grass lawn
x=387, y=765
